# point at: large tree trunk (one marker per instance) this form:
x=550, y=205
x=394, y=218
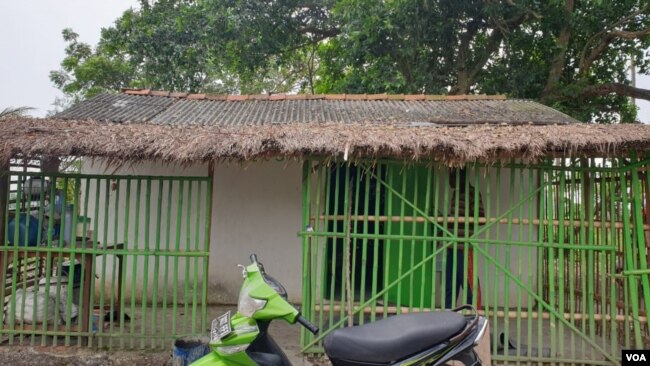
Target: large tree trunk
x=557, y=65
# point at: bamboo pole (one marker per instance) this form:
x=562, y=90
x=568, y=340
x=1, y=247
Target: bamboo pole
x=481, y=220
x=498, y=313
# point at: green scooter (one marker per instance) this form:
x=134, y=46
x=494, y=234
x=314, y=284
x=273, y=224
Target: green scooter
x=428, y=338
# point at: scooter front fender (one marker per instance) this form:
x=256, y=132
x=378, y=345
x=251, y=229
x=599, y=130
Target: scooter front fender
x=211, y=359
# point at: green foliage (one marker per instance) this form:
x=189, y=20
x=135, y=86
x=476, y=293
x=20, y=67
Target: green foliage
x=572, y=55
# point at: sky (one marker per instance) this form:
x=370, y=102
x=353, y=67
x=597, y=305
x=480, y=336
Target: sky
x=31, y=46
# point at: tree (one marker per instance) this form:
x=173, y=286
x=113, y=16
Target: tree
x=572, y=55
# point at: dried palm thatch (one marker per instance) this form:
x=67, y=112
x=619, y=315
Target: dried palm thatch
x=188, y=144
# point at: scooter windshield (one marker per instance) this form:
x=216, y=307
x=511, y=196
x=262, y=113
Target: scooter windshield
x=275, y=285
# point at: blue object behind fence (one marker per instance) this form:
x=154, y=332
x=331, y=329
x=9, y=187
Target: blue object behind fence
x=22, y=227
x=187, y=351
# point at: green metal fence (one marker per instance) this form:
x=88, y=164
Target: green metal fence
x=104, y=260
x=554, y=254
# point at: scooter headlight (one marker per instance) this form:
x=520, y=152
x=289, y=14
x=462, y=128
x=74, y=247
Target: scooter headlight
x=247, y=306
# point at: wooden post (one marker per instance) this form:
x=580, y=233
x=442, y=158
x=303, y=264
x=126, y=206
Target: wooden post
x=4, y=190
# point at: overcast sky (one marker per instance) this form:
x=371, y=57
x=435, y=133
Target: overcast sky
x=31, y=45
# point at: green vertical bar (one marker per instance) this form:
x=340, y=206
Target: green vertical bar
x=629, y=262
x=455, y=245
x=497, y=280
x=551, y=260
x=73, y=262
x=206, y=247
x=186, y=261
x=413, y=242
x=168, y=239
x=591, y=265
x=316, y=278
x=426, y=245
x=543, y=180
x=197, y=260
x=345, y=248
x=134, y=271
x=353, y=230
x=177, y=243
x=18, y=264
x=582, y=255
x=530, y=264
x=100, y=320
x=642, y=246
x=446, y=205
x=313, y=200
x=476, y=215
x=156, y=265
x=400, y=259
x=489, y=283
x=375, y=259
x=61, y=243
x=390, y=172
x=334, y=246
x=365, y=175
x=102, y=294
x=145, y=279
x=306, y=250
x=114, y=275
x=39, y=240
x=602, y=239
x=561, y=280
x=520, y=176
x=466, y=246
x=48, y=262
x=326, y=247
x=506, y=290
x=434, y=232
x=134, y=245
x=327, y=172
x=611, y=236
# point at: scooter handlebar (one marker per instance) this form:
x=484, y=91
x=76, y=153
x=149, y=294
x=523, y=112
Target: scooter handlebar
x=307, y=324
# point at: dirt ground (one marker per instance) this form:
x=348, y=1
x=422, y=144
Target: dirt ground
x=286, y=335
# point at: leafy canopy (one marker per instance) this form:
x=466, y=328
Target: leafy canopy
x=572, y=55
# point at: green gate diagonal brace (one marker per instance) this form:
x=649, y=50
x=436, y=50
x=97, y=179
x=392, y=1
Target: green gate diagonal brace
x=428, y=258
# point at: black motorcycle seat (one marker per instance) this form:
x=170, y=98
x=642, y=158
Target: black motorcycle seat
x=394, y=338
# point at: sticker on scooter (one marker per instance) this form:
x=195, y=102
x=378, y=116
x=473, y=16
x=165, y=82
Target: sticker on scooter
x=220, y=327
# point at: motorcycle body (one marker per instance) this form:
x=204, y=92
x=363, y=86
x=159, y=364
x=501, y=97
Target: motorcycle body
x=428, y=338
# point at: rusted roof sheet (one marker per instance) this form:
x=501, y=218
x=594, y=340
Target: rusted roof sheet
x=144, y=106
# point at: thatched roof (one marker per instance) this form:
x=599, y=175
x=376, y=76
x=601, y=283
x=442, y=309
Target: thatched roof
x=176, y=127
x=194, y=143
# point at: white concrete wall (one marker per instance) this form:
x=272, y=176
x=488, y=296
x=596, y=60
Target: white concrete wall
x=257, y=209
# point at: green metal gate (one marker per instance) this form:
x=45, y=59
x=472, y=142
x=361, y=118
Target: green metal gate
x=104, y=260
x=555, y=254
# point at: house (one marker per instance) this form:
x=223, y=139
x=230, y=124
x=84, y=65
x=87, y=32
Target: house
x=359, y=204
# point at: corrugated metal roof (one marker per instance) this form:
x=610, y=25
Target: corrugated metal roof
x=164, y=109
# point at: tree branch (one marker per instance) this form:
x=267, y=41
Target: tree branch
x=599, y=90
x=607, y=37
x=466, y=77
x=587, y=61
